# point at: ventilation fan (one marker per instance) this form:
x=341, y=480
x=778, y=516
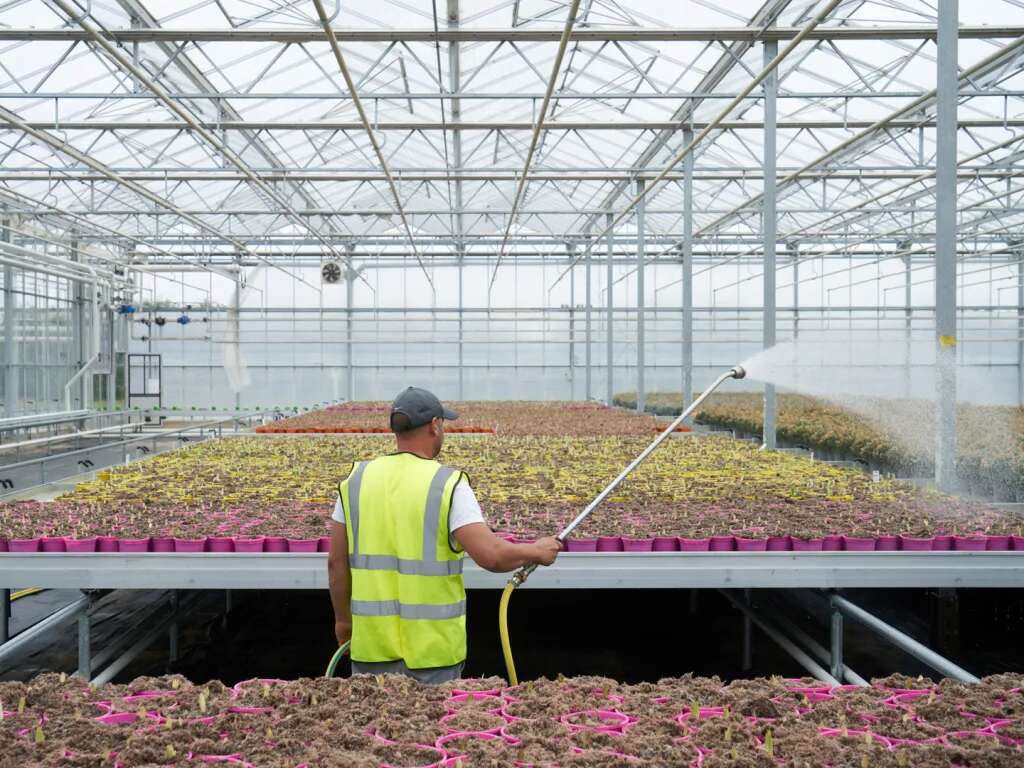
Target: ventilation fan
x=331, y=272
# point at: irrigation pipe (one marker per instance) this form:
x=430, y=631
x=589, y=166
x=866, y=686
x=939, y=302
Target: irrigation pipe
x=520, y=576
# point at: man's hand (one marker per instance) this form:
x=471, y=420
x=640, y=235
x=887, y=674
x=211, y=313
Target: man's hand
x=547, y=550
x=343, y=632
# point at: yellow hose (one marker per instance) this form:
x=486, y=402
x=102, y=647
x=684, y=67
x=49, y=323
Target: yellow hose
x=506, y=647
x=26, y=592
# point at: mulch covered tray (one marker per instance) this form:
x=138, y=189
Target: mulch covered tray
x=387, y=721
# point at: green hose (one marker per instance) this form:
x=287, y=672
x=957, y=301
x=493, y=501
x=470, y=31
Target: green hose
x=332, y=665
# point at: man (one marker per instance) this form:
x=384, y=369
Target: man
x=399, y=531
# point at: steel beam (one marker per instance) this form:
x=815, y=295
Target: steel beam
x=178, y=58
x=991, y=63
x=747, y=660
x=502, y=125
x=350, y=390
x=769, y=226
x=609, y=316
x=572, y=326
x=775, y=633
x=641, y=320
x=455, y=86
x=85, y=645
x=795, y=259
x=144, y=641
x=212, y=94
x=823, y=655
x=901, y=640
x=11, y=393
x=908, y=318
x=536, y=128
x=686, y=281
x=1020, y=333
x=173, y=630
x=588, y=340
x=654, y=570
x=985, y=205
x=751, y=33
x=142, y=77
x=326, y=174
x=835, y=636
x=947, y=83
x=5, y=615
x=677, y=158
x=40, y=628
x=763, y=19
x=370, y=133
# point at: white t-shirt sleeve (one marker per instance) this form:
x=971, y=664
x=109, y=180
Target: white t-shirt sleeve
x=465, y=510
x=338, y=515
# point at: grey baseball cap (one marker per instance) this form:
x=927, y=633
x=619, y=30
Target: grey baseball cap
x=421, y=407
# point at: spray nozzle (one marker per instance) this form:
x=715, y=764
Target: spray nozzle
x=739, y=372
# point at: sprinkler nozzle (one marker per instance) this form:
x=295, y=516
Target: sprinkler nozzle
x=739, y=372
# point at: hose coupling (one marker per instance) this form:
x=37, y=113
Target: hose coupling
x=520, y=576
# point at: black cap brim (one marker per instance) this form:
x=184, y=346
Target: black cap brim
x=449, y=415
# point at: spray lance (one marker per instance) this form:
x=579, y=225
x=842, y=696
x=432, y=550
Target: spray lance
x=520, y=576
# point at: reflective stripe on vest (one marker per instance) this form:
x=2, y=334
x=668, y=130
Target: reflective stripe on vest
x=432, y=518
x=408, y=567
x=354, y=482
x=406, y=611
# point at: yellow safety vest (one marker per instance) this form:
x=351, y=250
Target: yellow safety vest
x=408, y=599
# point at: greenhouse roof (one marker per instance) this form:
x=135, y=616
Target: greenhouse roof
x=500, y=129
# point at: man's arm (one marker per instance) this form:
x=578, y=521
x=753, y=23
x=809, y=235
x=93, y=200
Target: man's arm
x=493, y=553
x=339, y=577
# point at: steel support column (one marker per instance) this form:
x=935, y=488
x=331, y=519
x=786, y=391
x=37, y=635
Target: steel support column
x=609, y=323
x=10, y=372
x=835, y=644
x=769, y=226
x=350, y=279
x=641, y=221
x=794, y=254
x=570, y=255
x=1020, y=330
x=112, y=375
x=454, y=86
x=40, y=628
x=901, y=640
x=589, y=393
x=462, y=337
x=172, y=630
x=85, y=645
x=947, y=85
x=748, y=636
x=79, y=335
x=5, y=615
x=908, y=321
x=773, y=631
x=687, y=278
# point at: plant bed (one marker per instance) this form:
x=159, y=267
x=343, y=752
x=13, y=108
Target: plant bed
x=375, y=721
x=708, y=494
